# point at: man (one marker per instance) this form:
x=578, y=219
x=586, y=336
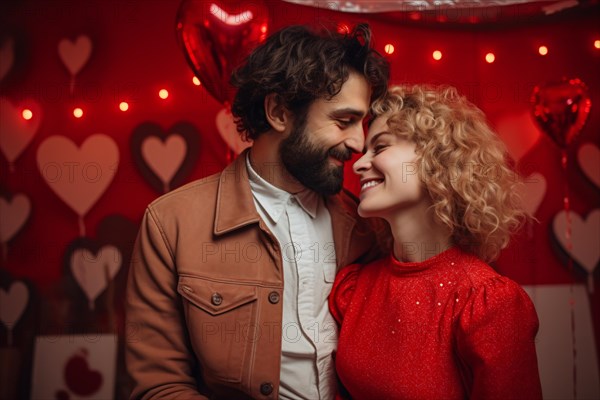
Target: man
x=227, y=293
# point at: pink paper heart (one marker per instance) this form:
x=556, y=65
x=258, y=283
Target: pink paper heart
x=94, y=271
x=13, y=215
x=13, y=303
x=588, y=157
x=164, y=157
x=79, y=176
x=15, y=132
x=75, y=54
x=585, y=236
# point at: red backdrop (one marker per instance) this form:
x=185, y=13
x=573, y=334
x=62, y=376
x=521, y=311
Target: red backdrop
x=135, y=53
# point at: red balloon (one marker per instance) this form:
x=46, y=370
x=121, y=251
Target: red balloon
x=561, y=109
x=216, y=36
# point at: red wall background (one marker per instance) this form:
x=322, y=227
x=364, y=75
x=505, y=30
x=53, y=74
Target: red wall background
x=136, y=53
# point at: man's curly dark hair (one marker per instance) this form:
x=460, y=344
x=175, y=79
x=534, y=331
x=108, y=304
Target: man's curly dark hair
x=301, y=65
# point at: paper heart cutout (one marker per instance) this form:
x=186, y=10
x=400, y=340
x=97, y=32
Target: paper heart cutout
x=150, y=142
x=78, y=176
x=93, y=272
x=588, y=157
x=518, y=132
x=13, y=303
x=532, y=192
x=7, y=57
x=164, y=157
x=585, y=236
x=228, y=131
x=13, y=214
x=15, y=132
x=75, y=54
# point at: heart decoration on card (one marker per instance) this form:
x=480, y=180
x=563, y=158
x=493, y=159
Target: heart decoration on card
x=216, y=36
x=588, y=158
x=78, y=175
x=75, y=54
x=12, y=305
x=585, y=238
x=518, y=132
x=7, y=57
x=16, y=132
x=94, y=271
x=13, y=214
x=228, y=131
x=79, y=377
x=532, y=192
x=165, y=158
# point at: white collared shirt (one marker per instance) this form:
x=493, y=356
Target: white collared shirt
x=302, y=225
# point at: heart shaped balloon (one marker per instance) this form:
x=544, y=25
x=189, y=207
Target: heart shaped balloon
x=216, y=36
x=561, y=109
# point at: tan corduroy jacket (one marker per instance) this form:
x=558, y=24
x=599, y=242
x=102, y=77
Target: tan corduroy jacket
x=205, y=290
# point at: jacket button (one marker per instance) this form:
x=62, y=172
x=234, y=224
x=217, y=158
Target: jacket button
x=216, y=299
x=266, y=388
x=274, y=297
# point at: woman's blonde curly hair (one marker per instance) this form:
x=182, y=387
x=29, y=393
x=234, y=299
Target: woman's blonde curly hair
x=462, y=163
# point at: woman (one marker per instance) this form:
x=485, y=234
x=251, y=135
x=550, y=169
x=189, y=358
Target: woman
x=433, y=320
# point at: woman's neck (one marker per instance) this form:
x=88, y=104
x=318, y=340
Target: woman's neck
x=417, y=236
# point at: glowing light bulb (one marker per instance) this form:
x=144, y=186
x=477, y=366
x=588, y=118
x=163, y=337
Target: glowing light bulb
x=196, y=81
x=597, y=44
x=389, y=48
x=163, y=93
x=77, y=112
x=123, y=106
x=490, y=58
x=27, y=114
x=543, y=50
x=437, y=55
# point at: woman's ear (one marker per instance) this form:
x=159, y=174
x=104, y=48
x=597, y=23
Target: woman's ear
x=277, y=114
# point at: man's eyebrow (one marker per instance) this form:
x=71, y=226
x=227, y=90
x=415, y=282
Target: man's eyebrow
x=347, y=111
x=374, y=138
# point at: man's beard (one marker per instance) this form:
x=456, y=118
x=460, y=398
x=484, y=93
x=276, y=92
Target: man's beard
x=310, y=165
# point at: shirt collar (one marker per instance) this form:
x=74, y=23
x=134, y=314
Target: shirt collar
x=274, y=200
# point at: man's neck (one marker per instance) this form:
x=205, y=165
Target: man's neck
x=266, y=162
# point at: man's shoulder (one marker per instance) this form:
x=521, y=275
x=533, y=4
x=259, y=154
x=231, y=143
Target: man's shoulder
x=199, y=190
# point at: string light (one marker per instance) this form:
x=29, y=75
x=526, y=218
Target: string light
x=490, y=58
x=77, y=112
x=389, y=48
x=196, y=81
x=543, y=50
x=437, y=55
x=27, y=114
x=163, y=93
x=597, y=44
x=123, y=106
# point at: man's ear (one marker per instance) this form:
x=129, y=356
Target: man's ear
x=276, y=113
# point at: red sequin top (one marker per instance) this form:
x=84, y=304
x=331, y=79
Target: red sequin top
x=449, y=327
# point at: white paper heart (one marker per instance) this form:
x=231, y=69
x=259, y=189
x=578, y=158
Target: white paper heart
x=532, y=192
x=518, y=132
x=13, y=303
x=13, y=215
x=93, y=272
x=15, y=132
x=229, y=133
x=79, y=176
x=75, y=54
x=7, y=57
x=588, y=157
x=164, y=158
x=585, y=237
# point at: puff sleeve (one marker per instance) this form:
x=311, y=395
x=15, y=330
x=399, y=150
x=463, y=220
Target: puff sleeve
x=495, y=342
x=342, y=291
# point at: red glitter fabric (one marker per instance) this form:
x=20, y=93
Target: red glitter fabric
x=449, y=327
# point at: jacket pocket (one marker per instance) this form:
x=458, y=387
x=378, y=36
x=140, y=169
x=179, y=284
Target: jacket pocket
x=220, y=319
